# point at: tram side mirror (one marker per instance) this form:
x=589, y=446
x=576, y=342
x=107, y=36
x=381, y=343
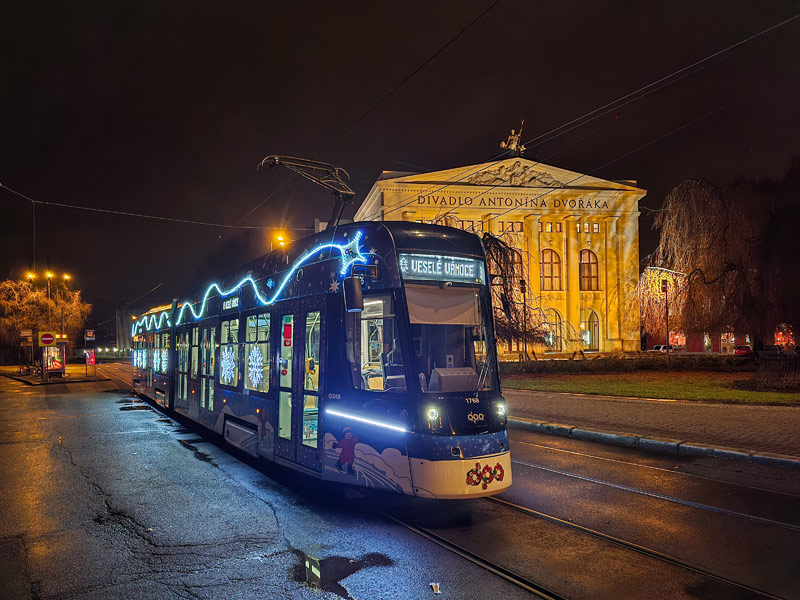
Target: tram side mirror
x=353, y=295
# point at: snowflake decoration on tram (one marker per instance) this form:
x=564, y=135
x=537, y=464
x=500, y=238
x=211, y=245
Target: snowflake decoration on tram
x=164, y=358
x=255, y=367
x=227, y=365
x=156, y=360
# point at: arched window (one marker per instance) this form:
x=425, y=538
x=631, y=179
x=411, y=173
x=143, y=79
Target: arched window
x=590, y=329
x=553, y=331
x=589, y=271
x=550, y=270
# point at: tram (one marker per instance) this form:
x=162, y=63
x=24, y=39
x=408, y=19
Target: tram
x=364, y=355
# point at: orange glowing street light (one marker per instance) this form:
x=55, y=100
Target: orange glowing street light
x=31, y=277
x=67, y=277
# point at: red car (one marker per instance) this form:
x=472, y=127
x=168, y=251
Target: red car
x=742, y=351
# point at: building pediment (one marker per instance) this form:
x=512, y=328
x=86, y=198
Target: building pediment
x=511, y=172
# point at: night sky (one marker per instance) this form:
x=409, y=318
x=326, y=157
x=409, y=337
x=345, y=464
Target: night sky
x=166, y=108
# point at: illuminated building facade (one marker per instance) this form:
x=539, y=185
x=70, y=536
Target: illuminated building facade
x=577, y=238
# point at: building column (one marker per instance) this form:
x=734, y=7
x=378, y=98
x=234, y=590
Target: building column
x=571, y=276
x=532, y=246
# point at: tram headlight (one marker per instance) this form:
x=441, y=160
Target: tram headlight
x=432, y=414
x=501, y=410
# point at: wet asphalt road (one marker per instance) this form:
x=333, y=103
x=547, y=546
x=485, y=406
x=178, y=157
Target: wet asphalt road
x=105, y=497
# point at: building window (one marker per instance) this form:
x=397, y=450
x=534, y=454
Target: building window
x=548, y=227
x=590, y=329
x=585, y=228
x=589, y=271
x=595, y=227
x=510, y=226
x=558, y=227
x=540, y=226
x=551, y=270
x=553, y=331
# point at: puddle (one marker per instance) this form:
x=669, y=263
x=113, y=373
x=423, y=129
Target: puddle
x=197, y=453
x=139, y=407
x=326, y=574
x=127, y=400
x=118, y=391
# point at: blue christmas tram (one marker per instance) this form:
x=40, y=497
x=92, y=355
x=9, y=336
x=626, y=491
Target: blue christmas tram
x=365, y=355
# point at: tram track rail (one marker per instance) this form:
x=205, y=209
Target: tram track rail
x=657, y=496
x=661, y=469
x=655, y=554
x=541, y=591
x=502, y=572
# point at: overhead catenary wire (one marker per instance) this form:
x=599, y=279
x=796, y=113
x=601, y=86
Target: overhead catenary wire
x=375, y=105
x=145, y=216
x=624, y=100
x=383, y=99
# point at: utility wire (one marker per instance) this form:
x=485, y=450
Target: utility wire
x=383, y=99
x=143, y=216
x=633, y=96
x=593, y=114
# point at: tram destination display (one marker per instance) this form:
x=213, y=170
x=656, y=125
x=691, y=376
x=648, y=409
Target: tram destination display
x=437, y=267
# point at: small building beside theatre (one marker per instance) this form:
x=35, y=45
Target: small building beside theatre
x=576, y=236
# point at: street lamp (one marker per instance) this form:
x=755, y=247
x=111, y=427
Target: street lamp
x=664, y=286
x=31, y=277
x=49, y=276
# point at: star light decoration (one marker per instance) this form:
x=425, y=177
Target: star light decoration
x=164, y=358
x=255, y=367
x=351, y=253
x=227, y=365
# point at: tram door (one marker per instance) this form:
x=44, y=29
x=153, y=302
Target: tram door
x=300, y=377
x=208, y=344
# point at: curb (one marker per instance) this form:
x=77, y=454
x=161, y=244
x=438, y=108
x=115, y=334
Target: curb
x=654, y=443
x=52, y=381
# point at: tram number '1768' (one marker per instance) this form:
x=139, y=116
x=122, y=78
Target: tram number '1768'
x=473, y=401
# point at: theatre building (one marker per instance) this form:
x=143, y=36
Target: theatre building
x=576, y=236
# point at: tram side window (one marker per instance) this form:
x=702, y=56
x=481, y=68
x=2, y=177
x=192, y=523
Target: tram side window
x=164, y=357
x=373, y=347
x=229, y=352
x=256, y=353
x=195, y=344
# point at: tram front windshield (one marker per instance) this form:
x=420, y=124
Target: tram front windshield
x=449, y=338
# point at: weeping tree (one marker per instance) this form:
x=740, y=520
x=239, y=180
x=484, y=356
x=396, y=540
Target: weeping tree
x=735, y=247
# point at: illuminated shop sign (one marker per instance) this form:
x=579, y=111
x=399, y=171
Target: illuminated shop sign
x=232, y=302
x=435, y=267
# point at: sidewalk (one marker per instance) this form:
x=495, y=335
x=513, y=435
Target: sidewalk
x=764, y=434
x=75, y=373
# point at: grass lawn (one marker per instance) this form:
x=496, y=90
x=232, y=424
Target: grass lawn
x=678, y=385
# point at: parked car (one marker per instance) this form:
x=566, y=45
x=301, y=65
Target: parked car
x=742, y=351
x=773, y=349
x=662, y=348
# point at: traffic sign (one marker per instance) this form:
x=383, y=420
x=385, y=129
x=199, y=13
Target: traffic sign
x=47, y=338
x=89, y=335
x=26, y=333
x=90, y=358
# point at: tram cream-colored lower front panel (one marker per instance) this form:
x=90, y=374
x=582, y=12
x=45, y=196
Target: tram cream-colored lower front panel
x=453, y=479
